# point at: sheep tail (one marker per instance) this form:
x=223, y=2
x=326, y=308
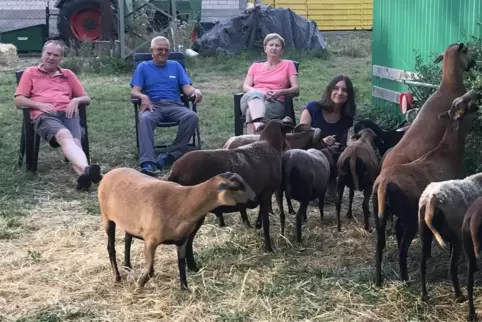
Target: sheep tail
x=474, y=234
x=430, y=212
x=381, y=196
x=354, y=175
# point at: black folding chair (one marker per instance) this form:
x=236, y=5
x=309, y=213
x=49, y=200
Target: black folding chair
x=30, y=140
x=188, y=102
x=239, y=119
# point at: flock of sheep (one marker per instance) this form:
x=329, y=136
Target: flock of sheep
x=413, y=173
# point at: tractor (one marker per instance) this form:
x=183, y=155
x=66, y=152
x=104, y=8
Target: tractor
x=80, y=20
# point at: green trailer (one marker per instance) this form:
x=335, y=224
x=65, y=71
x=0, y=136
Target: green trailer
x=27, y=39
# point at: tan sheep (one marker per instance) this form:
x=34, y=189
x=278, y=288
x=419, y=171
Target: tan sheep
x=161, y=212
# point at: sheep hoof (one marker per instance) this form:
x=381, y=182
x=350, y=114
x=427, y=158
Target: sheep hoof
x=349, y=215
x=184, y=287
x=193, y=268
x=118, y=279
x=424, y=298
x=472, y=317
x=460, y=299
x=268, y=249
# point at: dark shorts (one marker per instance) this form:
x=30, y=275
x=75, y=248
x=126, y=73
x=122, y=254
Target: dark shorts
x=47, y=125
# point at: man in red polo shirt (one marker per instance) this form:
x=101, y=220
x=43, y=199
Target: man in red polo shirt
x=53, y=94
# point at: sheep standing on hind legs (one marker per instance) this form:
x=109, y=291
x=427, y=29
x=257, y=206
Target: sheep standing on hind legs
x=422, y=136
x=472, y=236
x=259, y=163
x=399, y=187
x=161, y=212
x=357, y=167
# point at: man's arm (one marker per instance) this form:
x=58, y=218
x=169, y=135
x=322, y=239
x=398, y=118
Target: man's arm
x=187, y=88
x=23, y=92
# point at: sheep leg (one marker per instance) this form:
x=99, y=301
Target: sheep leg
x=410, y=230
x=220, y=216
x=191, y=263
x=110, y=229
x=340, y=188
x=127, y=250
x=380, y=226
x=472, y=268
x=426, y=243
x=263, y=211
x=350, y=203
x=149, y=252
x=245, y=218
x=279, y=201
x=259, y=219
x=454, y=263
x=181, y=262
x=365, y=205
x=291, y=210
x=299, y=217
x=321, y=204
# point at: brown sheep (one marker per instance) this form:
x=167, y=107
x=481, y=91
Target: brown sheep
x=357, y=167
x=472, y=237
x=259, y=163
x=398, y=188
x=161, y=212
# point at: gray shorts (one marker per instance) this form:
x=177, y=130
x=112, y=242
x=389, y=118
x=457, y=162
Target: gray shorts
x=47, y=125
x=274, y=109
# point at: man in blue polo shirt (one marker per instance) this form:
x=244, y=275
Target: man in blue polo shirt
x=157, y=84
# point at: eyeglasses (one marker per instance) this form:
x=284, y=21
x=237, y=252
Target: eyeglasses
x=163, y=50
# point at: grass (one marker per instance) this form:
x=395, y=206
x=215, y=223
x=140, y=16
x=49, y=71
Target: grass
x=54, y=264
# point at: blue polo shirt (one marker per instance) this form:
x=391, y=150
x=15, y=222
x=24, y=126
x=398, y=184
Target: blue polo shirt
x=160, y=82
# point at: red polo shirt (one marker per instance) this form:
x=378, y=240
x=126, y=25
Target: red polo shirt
x=57, y=90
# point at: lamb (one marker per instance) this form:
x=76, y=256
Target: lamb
x=358, y=167
x=259, y=163
x=442, y=207
x=161, y=212
x=398, y=188
x=471, y=235
x=306, y=174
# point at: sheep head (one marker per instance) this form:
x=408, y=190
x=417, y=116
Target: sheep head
x=232, y=189
x=459, y=52
x=302, y=127
x=274, y=131
x=463, y=107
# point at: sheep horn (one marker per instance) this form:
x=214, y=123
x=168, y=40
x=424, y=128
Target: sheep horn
x=287, y=120
x=302, y=127
x=261, y=119
x=317, y=135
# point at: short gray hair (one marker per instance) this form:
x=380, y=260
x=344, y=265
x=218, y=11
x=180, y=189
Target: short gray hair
x=160, y=38
x=56, y=42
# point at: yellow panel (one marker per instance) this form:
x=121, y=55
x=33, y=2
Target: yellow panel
x=331, y=14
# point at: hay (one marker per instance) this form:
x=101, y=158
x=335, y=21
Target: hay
x=8, y=55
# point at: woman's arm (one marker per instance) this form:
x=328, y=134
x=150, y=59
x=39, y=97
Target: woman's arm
x=294, y=86
x=248, y=83
x=305, y=117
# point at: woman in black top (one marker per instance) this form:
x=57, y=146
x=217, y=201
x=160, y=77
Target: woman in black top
x=334, y=113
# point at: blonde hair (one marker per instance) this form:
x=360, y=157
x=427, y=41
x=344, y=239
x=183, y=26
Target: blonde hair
x=272, y=36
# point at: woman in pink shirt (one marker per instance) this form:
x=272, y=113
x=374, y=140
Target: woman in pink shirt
x=267, y=83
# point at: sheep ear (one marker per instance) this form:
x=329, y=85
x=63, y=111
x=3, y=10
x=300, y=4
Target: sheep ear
x=462, y=48
x=438, y=59
x=261, y=119
x=227, y=175
x=222, y=186
x=444, y=116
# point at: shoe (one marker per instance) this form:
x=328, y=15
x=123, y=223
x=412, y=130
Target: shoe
x=94, y=173
x=164, y=160
x=83, y=181
x=150, y=169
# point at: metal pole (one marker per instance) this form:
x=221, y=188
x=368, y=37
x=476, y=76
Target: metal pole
x=174, y=23
x=122, y=36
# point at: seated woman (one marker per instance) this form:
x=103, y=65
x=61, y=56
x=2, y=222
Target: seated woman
x=267, y=83
x=335, y=112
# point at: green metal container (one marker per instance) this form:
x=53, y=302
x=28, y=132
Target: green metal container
x=28, y=39
x=402, y=28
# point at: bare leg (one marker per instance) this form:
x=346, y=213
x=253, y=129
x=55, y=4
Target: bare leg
x=256, y=108
x=127, y=250
x=279, y=200
x=72, y=151
x=110, y=229
x=181, y=261
x=149, y=252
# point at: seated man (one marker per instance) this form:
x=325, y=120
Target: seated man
x=53, y=94
x=157, y=84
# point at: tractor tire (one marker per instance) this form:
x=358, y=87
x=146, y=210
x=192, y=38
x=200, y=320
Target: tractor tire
x=79, y=21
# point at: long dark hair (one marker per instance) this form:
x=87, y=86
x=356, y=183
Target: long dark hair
x=349, y=108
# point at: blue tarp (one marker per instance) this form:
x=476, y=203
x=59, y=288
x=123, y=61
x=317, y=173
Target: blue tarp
x=247, y=31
